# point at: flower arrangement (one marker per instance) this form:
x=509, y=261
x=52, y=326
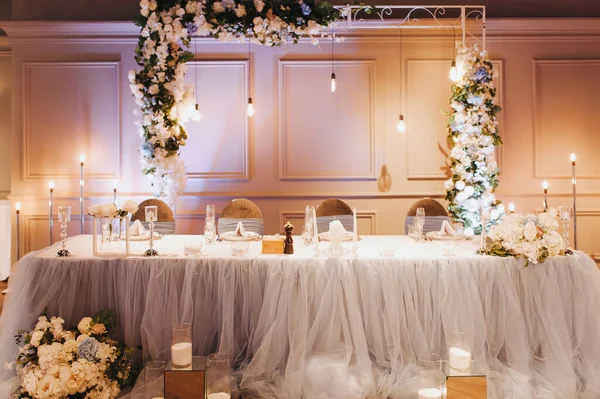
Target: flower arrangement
x=473, y=135
x=158, y=86
x=533, y=237
x=111, y=211
x=81, y=363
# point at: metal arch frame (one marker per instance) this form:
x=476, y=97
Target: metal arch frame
x=353, y=17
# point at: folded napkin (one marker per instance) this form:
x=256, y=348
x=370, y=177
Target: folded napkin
x=137, y=229
x=239, y=230
x=336, y=227
x=447, y=229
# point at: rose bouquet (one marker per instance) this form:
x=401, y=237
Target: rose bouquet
x=111, y=210
x=533, y=237
x=80, y=363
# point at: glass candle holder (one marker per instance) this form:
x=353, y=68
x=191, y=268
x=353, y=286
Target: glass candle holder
x=151, y=213
x=192, y=248
x=565, y=213
x=64, y=217
x=459, y=353
x=240, y=248
x=154, y=386
x=432, y=380
x=181, y=346
x=218, y=376
x=210, y=226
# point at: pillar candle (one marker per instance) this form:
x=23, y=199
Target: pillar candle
x=181, y=354
x=81, y=161
x=51, y=222
x=574, y=182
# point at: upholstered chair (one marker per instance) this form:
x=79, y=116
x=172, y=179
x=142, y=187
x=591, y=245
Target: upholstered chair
x=435, y=214
x=241, y=210
x=165, y=223
x=334, y=209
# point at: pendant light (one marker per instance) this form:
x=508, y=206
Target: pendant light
x=401, y=126
x=196, y=115
x=333, y=85
x=454, y=75
x=250, y=107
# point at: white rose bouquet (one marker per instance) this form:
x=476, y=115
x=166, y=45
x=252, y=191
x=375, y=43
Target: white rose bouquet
x=533, y=237
x=111, y=210
x=80, y=363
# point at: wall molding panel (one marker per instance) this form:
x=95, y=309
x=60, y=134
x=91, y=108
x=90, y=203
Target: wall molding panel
x=293, y=166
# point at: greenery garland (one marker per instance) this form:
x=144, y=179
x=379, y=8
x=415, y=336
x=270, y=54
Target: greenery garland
x=158, y=86
x=473, y=135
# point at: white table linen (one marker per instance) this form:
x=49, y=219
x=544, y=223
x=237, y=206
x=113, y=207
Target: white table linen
x=333, y=327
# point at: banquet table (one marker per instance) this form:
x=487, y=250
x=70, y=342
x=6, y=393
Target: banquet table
x=348, y=326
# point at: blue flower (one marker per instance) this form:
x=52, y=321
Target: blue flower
x=147, y=149
x=305, y=9
x=482, y=75
x=191, y=28
x=87, y=349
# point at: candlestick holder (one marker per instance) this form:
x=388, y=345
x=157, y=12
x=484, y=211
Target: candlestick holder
x=64, y=216
x=565, y=214
x=485, y=217
x=151, y=213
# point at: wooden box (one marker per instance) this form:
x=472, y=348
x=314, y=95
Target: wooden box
x=273, y=245
x=186, y=384
x=466, y=387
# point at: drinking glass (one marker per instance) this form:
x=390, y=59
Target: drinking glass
x=64, y=216
x=566, y=216
x=181, y=345
x=420, y=220
x=210, y=229
x=155, y=379
x=459, y=353
x=432, y=380
x=151, y=214
x=307, y=231
x=485, y=218
x=218, y=376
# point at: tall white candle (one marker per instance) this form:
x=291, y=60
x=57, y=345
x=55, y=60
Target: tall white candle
x=459, y=359
x=51, y=222
x=574, y=181
x=430, y=393
x=354, y=226
x=81, y=161
x=181, y=354
x=18, y=209
x=315, y=227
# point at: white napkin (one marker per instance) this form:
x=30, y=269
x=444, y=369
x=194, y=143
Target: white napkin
x=137, y=229
x=447, y=229
x=239, y=230
x=337, y=226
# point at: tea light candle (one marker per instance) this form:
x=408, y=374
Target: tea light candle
x=459, y=359
x=219, y=395
x=430, y=393
x=181, y=354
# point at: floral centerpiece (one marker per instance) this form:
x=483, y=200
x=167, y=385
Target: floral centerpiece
x=54, y=362
x=112, y=218
x=167, y=103
x=473, y=135
x=529, y=236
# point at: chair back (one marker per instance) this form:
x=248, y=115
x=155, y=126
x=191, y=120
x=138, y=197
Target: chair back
x=241, y=210
x=334, y=209
x=165, y=223
x=435, y=214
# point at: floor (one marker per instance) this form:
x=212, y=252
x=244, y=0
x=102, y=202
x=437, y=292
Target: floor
x=2, y=288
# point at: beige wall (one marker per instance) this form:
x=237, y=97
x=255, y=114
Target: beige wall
x=70, y=95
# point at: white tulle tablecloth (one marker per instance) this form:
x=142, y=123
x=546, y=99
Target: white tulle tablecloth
x=301, y=326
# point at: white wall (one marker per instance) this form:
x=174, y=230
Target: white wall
x=70, y=95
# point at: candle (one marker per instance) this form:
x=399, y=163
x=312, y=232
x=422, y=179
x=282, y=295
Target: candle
x=574, y=182
x=18, y=209
x=430, y=393
x=459, y=359
x=545, y=187
x=511, y=207
x=115, y=185
x=51, y=222
x=219, y=395
x=335, y=234
x=81, y=161
x=355, y=226
x=181, y=354
x=315, y=226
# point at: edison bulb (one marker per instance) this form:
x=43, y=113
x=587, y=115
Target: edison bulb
x=333, y=82
x=250, y=107
x=401, y=126
x=454, y=75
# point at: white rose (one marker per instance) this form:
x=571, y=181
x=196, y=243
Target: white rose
x=460, y=185
x=153, y=5
x=259, y=5
x=449, y=184
x=530, y=231
x=469, y=190
x=109, y=210
x=218, y=7
x=130, y=206
x=84, y=325
x=36, y=338
x=468, y=231
x=494, y=214
x=95, y=210
x=153, y=89
x=240, y=11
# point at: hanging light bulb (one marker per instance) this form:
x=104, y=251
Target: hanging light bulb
x=196, y=116
x=250, y=107
x=333, y=82
x=401, y=124
x=454, y=75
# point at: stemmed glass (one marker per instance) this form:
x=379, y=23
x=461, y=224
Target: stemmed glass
x=64, y=216
x=307, y=231
x=151, y=217
x=210, y=229
x=566, y=215
x=420, y=222
x=485, y=218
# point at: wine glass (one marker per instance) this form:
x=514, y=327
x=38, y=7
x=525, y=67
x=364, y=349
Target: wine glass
x=151, y=213
x=566, y=216
x=64, y=216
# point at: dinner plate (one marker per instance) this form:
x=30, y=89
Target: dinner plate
x=345, y=238
x=436, y=235
x=248, y=236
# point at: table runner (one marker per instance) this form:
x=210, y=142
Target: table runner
x=333, y=327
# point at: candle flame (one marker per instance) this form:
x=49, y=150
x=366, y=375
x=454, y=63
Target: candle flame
x=573, y=157
x=51, y=184
x=18, y=206
x=115, y=184
x=545, y=185
x=82, y=158
x=574, y=181
x=511, y=207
